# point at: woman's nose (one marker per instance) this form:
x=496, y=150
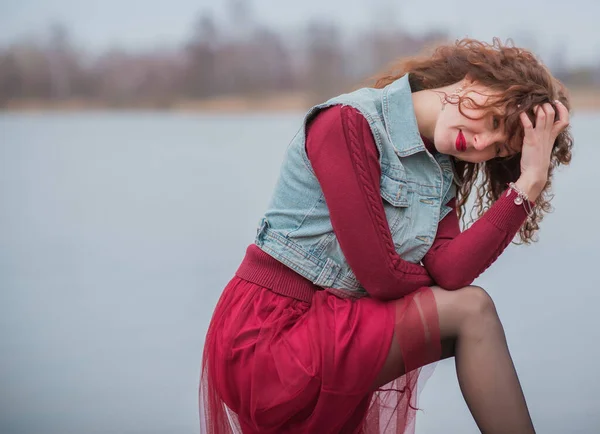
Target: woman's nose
x=481, y=141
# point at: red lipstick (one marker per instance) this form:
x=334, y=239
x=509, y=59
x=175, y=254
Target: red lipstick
x=461, y=142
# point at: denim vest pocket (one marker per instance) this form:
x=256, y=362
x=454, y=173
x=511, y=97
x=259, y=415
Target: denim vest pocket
x=396, y=200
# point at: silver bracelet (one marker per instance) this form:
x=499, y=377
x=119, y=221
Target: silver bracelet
x=521, y=199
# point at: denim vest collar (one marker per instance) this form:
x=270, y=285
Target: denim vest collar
x=402, y=126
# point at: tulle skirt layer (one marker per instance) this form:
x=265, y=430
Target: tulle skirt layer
x=274, y=364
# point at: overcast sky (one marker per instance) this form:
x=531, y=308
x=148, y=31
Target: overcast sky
x=143, y=24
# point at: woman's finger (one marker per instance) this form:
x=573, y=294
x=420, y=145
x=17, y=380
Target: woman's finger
x=526, y=122
x=549, y=115
x=563, y=118
x=540, y=118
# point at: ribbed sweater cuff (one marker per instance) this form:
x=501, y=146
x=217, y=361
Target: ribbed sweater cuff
x=506, y=215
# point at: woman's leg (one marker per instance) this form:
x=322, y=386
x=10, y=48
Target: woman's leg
x=471, y=331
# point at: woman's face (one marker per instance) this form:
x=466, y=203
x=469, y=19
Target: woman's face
x=476, y=136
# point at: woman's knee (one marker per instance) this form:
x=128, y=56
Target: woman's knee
x=477, y=302
x=465, y=309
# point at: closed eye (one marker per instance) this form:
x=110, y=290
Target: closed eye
x=498, y=149
x=495, y=122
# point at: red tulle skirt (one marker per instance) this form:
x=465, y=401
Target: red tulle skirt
x=274, y=364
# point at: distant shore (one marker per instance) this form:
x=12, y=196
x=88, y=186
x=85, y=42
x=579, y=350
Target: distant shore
x=586, y=99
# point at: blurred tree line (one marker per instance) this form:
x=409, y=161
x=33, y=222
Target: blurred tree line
x=240, y=59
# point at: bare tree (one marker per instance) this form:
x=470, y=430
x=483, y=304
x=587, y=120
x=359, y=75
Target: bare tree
x=201, y=78
x=325, y=63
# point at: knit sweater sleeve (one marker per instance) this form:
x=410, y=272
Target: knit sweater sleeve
x=343, y=155
x=456, y=258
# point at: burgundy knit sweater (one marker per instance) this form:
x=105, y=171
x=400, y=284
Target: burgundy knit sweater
x=345, y=159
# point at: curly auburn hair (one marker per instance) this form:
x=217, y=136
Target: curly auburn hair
x=521, y=82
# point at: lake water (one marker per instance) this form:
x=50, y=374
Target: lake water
x=119, y=230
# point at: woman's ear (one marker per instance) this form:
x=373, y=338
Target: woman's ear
x=467, y=81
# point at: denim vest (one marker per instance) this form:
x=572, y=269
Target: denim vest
x=415, y=186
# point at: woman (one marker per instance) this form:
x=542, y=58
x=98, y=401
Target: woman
x=360, y=275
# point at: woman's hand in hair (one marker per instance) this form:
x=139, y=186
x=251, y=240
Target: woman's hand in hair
x=537, y=146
